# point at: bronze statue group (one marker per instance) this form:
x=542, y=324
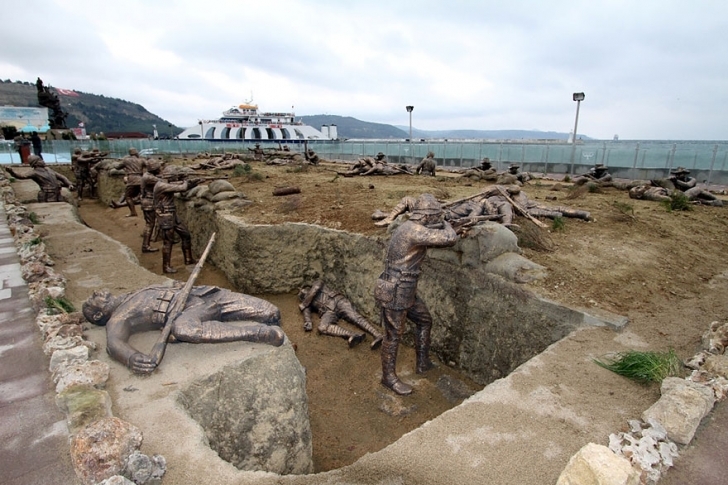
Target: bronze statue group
x=207, y=314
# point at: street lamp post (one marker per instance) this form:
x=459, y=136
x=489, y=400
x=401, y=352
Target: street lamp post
x=578, y=97
x=409, y=110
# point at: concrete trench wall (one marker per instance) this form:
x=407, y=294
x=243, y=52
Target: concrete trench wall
x=484, y=323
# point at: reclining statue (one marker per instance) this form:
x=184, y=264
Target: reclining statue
x=210, y=315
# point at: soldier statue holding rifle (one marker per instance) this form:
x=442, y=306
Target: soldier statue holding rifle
x=194, y=314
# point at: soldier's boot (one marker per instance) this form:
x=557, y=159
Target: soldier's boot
x=398, y=209
x=353, y=338
x=146, y=248
x=584, y=215
x=166, y=258
x=187, y=252
x=271, y=335
x=132, y=209
x=422, y=349
x=368, y=327
x=389, y=376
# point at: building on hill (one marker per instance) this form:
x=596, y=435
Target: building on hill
x=25, y=120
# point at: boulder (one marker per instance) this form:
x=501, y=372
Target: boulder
x=598, y=465
x=681, y=407
x=83, y=406
x=100, y=450
x=255, y=413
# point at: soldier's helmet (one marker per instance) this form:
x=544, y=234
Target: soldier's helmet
x=427, y=204
x=680, y=171
x=380, y=155
x=133, y=151
x=95, y=150
x=600, y=167
x=430, y=155
x=310, y=151
x=485, y=163
x=77, y=151
x=154, y=166
x=514, y=167
x=35, y=161
x=172, y=172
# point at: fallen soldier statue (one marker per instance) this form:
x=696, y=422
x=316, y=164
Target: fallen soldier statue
x=211, y=315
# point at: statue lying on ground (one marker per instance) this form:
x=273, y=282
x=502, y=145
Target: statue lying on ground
x=331, y=307
x=496, y=202
x=210, y=315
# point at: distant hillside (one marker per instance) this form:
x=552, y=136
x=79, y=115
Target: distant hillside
x=490, y=134
x=97, y=112
x=348, y=127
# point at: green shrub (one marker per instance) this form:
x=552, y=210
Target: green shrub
x=34, y=218
x=644, y=366
x=242, y=170
x=558, y=224
x=678, y=202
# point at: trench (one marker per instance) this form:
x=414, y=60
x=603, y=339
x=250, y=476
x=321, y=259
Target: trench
x=485, y=325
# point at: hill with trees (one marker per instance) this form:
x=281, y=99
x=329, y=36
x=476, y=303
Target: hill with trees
x=97, y=112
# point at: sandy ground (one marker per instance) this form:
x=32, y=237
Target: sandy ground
x=665, y=271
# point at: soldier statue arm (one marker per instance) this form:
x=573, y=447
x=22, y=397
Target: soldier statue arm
x=64, y=180
x=684, y=185
x=118, y=331
x=311, y=294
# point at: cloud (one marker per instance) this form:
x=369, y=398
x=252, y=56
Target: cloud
x=650, y=70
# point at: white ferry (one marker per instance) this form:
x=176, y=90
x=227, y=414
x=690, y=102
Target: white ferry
x=245, y=123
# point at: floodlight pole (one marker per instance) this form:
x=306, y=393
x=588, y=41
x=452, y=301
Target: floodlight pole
x=409, y=110
x=578, y=97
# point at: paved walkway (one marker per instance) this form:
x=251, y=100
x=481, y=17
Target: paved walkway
x=34, y=446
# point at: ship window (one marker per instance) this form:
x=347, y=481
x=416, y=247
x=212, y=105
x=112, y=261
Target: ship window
x=240, y=134
x=225, y=133
x=256, y=134
x=299, y=135
x=210, y=133
x=271, y=134
x=193, y=135
x=285, y=133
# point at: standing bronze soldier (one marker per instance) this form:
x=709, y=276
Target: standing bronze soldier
x=427, y=165
x=49, y=181
x=149, y=180
x=85, y=173
x=166, y=215
x=396, y=289
x=132, y=166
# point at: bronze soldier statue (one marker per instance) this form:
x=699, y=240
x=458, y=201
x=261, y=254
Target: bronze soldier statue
x=85, y=173
x=688, y=185
x=396, y=288
x=49, y=181
x=167, y=218
x=312, y=157
x=211, y=315
x=598, y=174
x=427, y=165
x=132, y=166
x=332, y=306
x=649, y=192
x=257, y=152
x=483, y=172
x=149, y=180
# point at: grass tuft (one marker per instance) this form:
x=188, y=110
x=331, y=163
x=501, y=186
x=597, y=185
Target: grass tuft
x=558, y=224
x=59, y=305
x=678, y=202
x=644, y=367
x=34, y=218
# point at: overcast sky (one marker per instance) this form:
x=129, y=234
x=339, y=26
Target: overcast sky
x=650, y=69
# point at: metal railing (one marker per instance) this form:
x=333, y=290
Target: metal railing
x=707, y=160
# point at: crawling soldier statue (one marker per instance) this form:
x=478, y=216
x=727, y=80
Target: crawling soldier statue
x=332, y=306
